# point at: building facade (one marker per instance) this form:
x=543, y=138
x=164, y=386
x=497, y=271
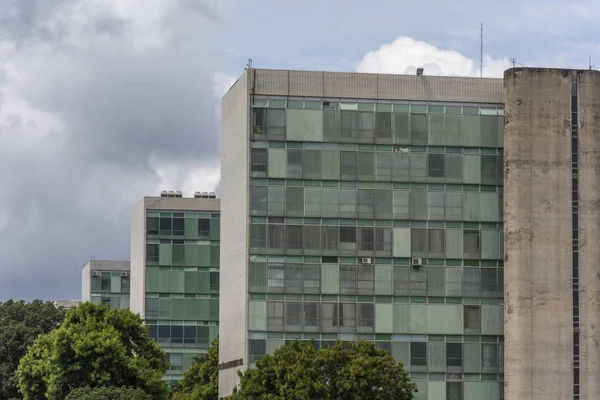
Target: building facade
x=106, y=282
x=552, y=234
x=175, y=273
x=365, y=206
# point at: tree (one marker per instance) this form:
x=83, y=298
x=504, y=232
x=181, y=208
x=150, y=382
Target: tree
x=20, y=325
x=108, y=393
x=95, y=346
x=299, y=371
x=201, y=381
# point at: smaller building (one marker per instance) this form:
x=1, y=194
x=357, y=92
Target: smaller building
x=106, y=282
x=66, y=303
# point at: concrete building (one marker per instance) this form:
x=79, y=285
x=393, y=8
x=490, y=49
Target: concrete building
x=365, y=206
x=552, y=234
x=106, y=282
x=175, y=273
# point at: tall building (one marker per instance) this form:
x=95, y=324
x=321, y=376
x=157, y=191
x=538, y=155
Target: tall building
x=175, y=273
x=365, y=206
x=106, y=282
x=552, y=234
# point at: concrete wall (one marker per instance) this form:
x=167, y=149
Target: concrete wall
x=233, y=321
x=377, y=86
x=589, y=228
x=537, y=235
x=137, y=299
x=86, y=283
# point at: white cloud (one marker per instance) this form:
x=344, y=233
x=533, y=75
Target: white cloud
x=405, y=54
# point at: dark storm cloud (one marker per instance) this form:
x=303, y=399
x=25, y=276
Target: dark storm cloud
x=88, y=112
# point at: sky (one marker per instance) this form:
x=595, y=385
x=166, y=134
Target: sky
x=103, y=102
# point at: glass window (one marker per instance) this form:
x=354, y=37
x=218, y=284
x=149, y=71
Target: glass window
x=454, y=355
x=164, y=334
x=488, y=170
x=295, y=164
x=152, y=252
x=435, y=165
x=348, y=167
x=347, y=237
x=258, y=236
x=347, y=317
x=471, y=242
x=214, y=281
x=176, y=334
x=437, y=242
x=258, y=200
x=275, y=315
x=153, y=331
x=454, y=391
x=365, y=279
x=331, y=125
x=257, y=348
x=311, y=314
x=165, y=225
x=383, y=125
x=330, y=238
x=259, y=120
x=366, y=315
x=489, y=282
x=311, y=278
x=367, y=239
x=276, y=122
x=293, y=278
x=419, y=128
x=277, y=237
x=293, y=314
x=472, y=319
x=366, y=126
x=259, y=160
x=189, y=334
x=312, y=237
x=349, y=125
x=178, y=226
x=347, y=279
x=275, y=280
x=105, y=284
x=489, y=355
x=152, y=225
x=294, y=237
x=204, y=227
x=418, y=354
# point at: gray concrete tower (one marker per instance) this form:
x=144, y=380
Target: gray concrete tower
x=551, y=233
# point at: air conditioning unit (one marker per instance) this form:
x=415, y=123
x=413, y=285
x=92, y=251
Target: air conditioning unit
x=94, y=273
x=366, y=260
x=124, y=273
x=417, y=262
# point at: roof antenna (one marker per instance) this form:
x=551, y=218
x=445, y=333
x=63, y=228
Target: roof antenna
x=481, y=52
x=590, y=64
x=513, y=61
x=249, y=64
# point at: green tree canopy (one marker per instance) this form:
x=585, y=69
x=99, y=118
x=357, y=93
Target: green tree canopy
x=95, y=346
x=298, y=371
x=108, y=393
x=20, y=325
x=201, y=381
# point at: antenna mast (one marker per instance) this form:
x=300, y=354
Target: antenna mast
x=481, y=52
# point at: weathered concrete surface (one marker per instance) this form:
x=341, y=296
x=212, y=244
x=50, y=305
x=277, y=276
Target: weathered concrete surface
x=233, y=292
x=537, y=235
x=589, y=232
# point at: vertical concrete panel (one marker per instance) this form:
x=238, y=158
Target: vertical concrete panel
x=257, y=315
x=436, y=391
x=330, y=279
x=233, y=291
x=589, y=232
x=277, y=163
x=304, y=125
x=537, y=223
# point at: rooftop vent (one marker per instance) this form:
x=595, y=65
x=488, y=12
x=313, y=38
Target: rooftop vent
x=171, y=193
x=419, y=71
x=205, y=195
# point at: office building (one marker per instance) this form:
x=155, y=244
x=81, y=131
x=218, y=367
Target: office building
x=552, y=231
x=365, y=206
x=175, y=273
x=106, y=282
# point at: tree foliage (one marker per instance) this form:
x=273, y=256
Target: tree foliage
x=299, y=371
x=201, y=381
x=20, y=325
x=95, y=346
x=108, y=393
